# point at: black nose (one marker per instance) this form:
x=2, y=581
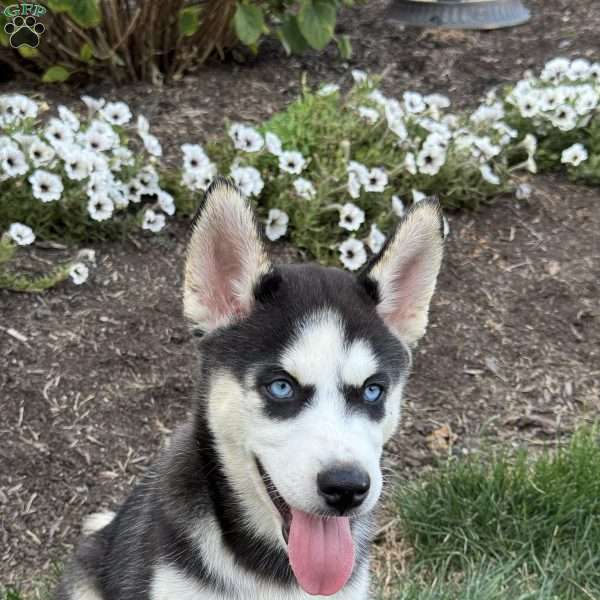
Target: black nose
x=343, y=487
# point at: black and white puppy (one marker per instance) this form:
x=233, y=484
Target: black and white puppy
x=267, y=492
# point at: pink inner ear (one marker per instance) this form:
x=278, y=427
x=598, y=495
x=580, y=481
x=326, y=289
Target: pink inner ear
x=220, y=269
x=403, y=292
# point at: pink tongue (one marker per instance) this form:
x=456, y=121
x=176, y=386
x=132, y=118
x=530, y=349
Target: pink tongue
x=321, y=552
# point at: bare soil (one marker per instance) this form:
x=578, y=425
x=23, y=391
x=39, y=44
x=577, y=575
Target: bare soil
x=98, y=376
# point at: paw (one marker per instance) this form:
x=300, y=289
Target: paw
x=24, y=32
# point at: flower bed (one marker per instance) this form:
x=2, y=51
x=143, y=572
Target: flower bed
x=332, y=172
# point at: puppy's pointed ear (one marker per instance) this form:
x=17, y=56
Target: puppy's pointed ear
x=402, y=277
x=225, y=259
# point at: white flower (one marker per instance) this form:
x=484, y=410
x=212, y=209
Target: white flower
x=199, y=179
x=142, y=126
x=166, y=202
x=393, y=110
x=148, y=179
x=250, y=140
x=353, y=254
x=376, y=180
x=121, y=157
x=587, y=101
x=152, y=144
x=292, y=162
x=21, y=234
x=79, y=273
x=574, y=155
x=555, y=69
x=328, y=89
x=100, y=207
x=359, y=76
x=376, y=239
x=99, y=137
x=595, y=71
x=437, y=141
x=194, y=157
x=359, y=170
x=565, y=118
x=410, y=164
x=117, y=192
x=507, y=133
x=12, y=161
x=68, y=117
x=488, y=174
x=351, y=217
x=93, y=104
x=273, y=143
x=15, y=107
x=529, y=104
x=277, y=223
x=523, y=191
x=398, y=127
x=368, y=114
x=377, y=97
x=304, y=188
x=417, y=196
x=437, y=101
x=116, y=113
x=40, y=153
x=488, y=114
x=431, y=159
x=551, y=98
x=579, y=69
x=133, y=191
x=414, y=102
x=530, y=144
x=354, y=185
x=46, y=186
x=398, y=206
x=531, y=165
x=248, y=179
x=57, y=132
x=484, y=149
x=24, y=107
x=153, y=221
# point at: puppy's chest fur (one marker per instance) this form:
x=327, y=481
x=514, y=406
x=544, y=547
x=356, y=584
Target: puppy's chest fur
x=170, y=584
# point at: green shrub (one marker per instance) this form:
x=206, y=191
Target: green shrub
x=149, y=40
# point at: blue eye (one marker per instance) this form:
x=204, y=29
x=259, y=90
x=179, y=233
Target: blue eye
x=372, y=392
x=280, y=389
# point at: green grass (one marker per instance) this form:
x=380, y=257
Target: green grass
x=509, y=527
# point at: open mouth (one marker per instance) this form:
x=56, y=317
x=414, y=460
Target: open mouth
x=280, y=504
x=320, y=548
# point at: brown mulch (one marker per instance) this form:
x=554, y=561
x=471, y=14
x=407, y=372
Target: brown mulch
x=98, y=376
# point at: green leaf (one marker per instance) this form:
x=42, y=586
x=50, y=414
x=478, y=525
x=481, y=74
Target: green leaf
x=316, y=21
x=189, y=20
x=344, y=47
x=3, y=34
x=86, y=53
x=86, y=13
x=56, y=73
x=249, y=22
x=292, y=39
x=27, y=52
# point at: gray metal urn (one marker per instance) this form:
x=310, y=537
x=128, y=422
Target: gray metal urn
x=459, y=14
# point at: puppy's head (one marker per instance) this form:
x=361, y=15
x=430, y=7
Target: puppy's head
x=305, y=367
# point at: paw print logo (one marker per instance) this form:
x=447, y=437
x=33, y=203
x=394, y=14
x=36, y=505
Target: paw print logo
x=24, y=32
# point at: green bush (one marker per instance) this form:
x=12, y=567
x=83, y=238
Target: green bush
x=150, y=40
